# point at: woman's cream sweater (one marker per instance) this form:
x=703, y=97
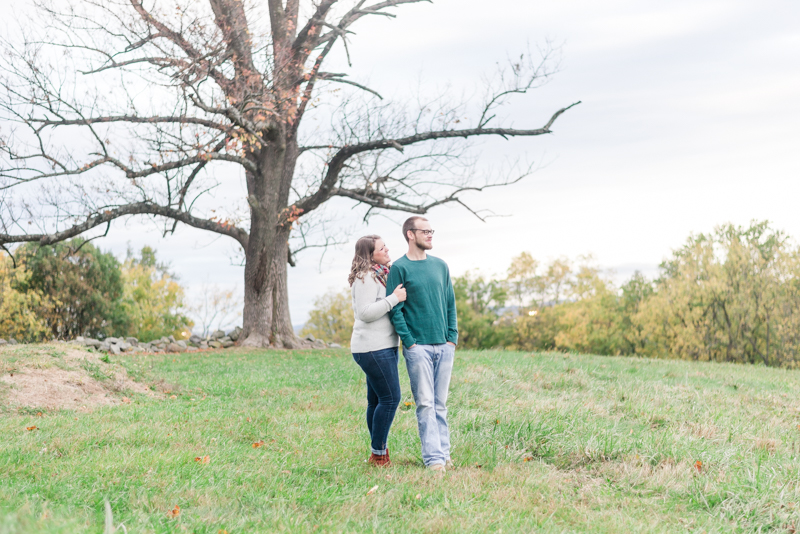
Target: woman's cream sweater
x=372, y=329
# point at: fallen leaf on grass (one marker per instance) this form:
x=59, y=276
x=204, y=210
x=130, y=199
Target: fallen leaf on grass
x=32, y=428
x=203, y=460
x=372, y=490
x=173, y=397
x=39, y=414
x=175, y=512
x=418, y=496
x=258, y=444
x=126, y=400
x=699, y=466
x=527, y=459
x=286, y=472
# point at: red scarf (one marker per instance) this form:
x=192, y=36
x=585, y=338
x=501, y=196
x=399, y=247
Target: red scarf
x=380, y=272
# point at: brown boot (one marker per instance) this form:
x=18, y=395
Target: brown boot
x=380, y=461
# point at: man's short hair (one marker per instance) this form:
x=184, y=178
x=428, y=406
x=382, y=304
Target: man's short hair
x=410, y=223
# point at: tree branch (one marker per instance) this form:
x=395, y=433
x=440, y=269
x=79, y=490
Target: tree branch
x=303, y=49
x=338, y=161
x=231, y=20
x=179, y=40
x=336, y=77
x=376, y=199
x=140, y=208
x=43, y=123
x=357, y=12
x=130, y=173
x=306, y=38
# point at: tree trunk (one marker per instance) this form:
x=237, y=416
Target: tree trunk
x=266, y=319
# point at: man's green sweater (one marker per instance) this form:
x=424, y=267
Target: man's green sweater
x=428, y=316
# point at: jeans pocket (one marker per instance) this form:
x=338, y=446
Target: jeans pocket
x=385, y=354
x=357, y=357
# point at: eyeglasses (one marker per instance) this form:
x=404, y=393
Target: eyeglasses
x=426, y=232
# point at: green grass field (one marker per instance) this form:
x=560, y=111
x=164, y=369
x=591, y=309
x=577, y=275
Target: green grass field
x=542, y=443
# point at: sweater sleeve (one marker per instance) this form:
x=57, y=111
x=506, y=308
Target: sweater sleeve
x=452, y=316
x=397, y=314
x=367, y=306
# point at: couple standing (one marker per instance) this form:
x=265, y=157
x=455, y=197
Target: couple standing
x=412, y=300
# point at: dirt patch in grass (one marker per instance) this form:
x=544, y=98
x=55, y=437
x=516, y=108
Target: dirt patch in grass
x=56, y=376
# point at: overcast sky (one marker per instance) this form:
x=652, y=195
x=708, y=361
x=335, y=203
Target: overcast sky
x=689, y=119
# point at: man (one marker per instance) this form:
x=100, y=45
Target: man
x=427, y=326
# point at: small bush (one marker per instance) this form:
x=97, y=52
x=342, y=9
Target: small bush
x=332, y=318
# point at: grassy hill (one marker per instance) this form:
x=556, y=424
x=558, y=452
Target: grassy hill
x=268, y=441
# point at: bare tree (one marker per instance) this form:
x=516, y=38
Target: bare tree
x=120, y=108
x=214, y=307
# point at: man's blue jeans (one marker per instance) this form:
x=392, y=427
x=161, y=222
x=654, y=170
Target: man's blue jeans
x=429, y=369
x=383, y=393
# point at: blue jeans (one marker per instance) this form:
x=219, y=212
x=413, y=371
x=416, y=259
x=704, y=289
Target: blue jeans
x=383, y=393
x=429, y=369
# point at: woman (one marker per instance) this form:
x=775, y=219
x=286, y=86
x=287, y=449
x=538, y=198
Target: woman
x=374, y=341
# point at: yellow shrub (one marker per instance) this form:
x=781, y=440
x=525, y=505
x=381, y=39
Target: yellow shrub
x=18, y=318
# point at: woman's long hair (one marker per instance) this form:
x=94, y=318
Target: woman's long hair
x=362, y=261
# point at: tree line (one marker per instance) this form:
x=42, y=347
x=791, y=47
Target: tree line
x=731, y=295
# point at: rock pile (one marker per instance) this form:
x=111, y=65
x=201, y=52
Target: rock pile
x=319, y=344
x=116, y=345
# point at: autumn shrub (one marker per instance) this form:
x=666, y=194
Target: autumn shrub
x=83, y=286
x=479, y=305
x=331, y=319
x=730, y=295
x=561, y=306
x=152, y=300
x=18, y=310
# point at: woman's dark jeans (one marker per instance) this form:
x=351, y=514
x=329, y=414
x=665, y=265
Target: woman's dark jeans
x=383, y=393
